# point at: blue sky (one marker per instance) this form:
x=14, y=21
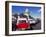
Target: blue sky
x=34, y=11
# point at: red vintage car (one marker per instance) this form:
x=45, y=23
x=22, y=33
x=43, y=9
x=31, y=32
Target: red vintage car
x=23, y=25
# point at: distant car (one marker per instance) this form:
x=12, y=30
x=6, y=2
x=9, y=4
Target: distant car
x=31, y=21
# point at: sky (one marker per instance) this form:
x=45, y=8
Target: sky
x=34, y=11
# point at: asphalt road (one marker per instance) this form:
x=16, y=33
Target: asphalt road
x=37, y=26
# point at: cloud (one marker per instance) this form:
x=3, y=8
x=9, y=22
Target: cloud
x=35, y=17
x=39, y=11
x=26, y=10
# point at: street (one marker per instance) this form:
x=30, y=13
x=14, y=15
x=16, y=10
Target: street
x=37, y=26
